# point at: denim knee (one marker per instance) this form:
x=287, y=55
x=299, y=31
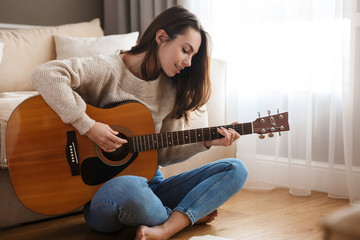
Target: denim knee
x=239, y=172
x=127, y=192
x=130, y=200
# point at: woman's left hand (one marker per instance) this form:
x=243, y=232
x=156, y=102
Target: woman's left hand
x=230, y=136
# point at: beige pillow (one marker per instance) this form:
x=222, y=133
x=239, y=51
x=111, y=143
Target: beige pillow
x=68, y=47
x=24, y=49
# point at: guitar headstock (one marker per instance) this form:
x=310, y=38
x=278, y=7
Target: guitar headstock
x=271, y=124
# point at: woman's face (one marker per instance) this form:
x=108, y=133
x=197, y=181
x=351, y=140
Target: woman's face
x=175, y=55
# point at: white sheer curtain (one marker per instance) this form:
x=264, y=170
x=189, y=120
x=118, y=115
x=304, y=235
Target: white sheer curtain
x=299, y=56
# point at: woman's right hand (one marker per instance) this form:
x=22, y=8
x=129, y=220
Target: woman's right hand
x=105, y=137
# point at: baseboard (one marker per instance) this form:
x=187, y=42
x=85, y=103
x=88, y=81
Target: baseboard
x=266, y=173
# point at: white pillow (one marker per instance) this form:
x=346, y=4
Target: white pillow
x=67, y=47
x=1, y=50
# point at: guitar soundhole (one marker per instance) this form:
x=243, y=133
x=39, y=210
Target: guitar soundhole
x=119, y=154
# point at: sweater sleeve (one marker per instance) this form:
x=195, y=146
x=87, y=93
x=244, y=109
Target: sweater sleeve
x=56, y=81
x=176, y=154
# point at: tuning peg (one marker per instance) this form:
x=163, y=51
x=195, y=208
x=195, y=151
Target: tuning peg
x=261, y=120
x=277, y=110
x=261, y=136
x=269, y=112
x=279, y=134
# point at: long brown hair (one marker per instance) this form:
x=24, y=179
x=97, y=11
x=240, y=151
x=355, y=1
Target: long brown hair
x=193, y=84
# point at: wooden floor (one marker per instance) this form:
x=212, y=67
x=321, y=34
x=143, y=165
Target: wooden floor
x=248, y=215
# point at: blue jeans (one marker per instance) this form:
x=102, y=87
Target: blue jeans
x=132, y=201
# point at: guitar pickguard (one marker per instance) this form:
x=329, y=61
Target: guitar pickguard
x=95, y=172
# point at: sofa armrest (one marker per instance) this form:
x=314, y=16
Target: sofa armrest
x=8, y=102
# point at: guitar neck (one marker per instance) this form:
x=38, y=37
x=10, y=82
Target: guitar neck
x=169, y=139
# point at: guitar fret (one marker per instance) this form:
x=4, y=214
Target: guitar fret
x=213, y=133
x=191, y=136
x=158, y=137
x=162, y=141
x=140, y=143
x=153, y=142
x=164, y=138
x=148, y=142
x=203, y=130
x=181, y=138
x=133, y=142
x=175, y=139
x=147, y=139
x=206, y=133
x=137, y=144
x=169, y=139
x=144, y=142
x=194, y=137
x=199, y=135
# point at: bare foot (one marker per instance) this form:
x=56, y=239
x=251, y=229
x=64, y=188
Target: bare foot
x=176, y=222
x=149, y=233
x=208, y=218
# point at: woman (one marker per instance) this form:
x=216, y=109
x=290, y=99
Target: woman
x=168, y=71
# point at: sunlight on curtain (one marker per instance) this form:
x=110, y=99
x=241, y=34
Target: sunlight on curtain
x=292, y=55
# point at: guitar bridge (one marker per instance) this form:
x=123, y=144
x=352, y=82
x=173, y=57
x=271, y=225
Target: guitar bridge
x=72, y=153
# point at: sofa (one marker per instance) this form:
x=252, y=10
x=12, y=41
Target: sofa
x=21, y=50
x=342, y=224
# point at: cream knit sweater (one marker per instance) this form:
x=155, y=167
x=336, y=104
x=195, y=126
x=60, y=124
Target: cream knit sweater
x=67, y=86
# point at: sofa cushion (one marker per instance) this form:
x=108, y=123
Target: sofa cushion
x=24, y=49
x=8, y=102
x=342, y=224
x=68, y=47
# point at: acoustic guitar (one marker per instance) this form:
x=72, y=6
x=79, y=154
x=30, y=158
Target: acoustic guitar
x=55, y=170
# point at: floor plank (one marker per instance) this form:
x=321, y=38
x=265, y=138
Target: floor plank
x=248, y=215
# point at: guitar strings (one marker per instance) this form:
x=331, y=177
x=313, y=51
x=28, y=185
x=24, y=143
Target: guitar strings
x=161, y=140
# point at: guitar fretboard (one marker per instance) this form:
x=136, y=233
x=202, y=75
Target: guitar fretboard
x=169, y=139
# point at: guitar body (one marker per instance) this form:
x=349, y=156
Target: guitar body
x=38, y=158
